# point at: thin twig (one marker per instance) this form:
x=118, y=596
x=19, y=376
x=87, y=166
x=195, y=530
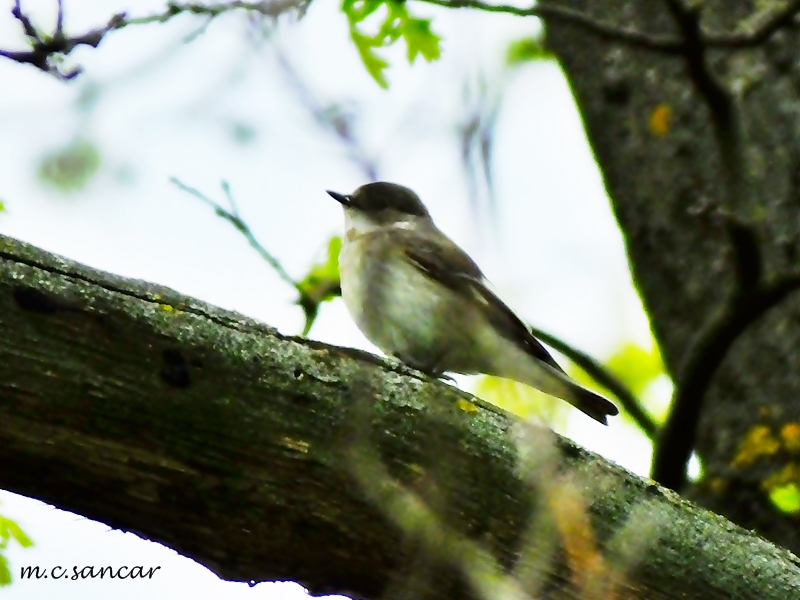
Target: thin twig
x=607, y=379
x=633, y=37
x=27, y=26
x=772, y=23
x=59, y=33
x=43, y=50
x=337, y=123
x=232, y=216
x=267, y=8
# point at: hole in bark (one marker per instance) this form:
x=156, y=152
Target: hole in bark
x=33, y=300
x=175, y=371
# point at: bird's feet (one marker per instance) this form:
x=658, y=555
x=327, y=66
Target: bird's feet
x=433, y=371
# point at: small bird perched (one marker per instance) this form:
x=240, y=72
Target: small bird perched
x=420, y=298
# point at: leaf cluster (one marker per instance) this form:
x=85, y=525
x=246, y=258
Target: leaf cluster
x=397, y=23
x=9, y=530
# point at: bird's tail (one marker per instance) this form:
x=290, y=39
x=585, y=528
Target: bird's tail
x=556, y=383
x=590, y=403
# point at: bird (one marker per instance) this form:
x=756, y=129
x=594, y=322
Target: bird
x=420, y=298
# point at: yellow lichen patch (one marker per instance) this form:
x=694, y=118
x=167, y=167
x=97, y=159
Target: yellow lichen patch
x=758, y=442
x=296, y=445
x=660, y=120
x=467, y=406
x=717, y=485
x=790, y=436
x=166, y=307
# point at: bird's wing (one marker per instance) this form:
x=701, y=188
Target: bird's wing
x=452, y=267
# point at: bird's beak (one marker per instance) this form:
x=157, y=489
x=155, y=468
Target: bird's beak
x=341, y=198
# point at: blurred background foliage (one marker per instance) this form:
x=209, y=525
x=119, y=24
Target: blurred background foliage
x=70, y=168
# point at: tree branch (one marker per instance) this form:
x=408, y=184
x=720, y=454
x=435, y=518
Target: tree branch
x=607, y=379
x=678, y=435
x=677, y=438
x=46, y=51
x=213, y=434
x=45, y=48
x=574, y=17
x=773, y=22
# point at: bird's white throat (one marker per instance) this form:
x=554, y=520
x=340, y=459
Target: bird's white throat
x=356, y=224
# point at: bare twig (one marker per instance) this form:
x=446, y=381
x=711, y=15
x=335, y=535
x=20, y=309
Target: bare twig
x=771, y=24
x=548, y=11
x=267, y=8
x=233, y=217
x=607, y=379
x=331, y=119
x=47, y=50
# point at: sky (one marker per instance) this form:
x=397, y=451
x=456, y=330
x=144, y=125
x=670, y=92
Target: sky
x=213, y=103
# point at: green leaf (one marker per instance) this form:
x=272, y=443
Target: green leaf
x=10, y=530
x=421, y=40
x=527, y=49
x=636, y=367
x=69, y=169
x=5, y=572
x=396, y=23
x=372, y=62
x=2, y=206
x=522, y=400
x=321, y=284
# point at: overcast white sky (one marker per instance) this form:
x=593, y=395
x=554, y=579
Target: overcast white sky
x=165, y=109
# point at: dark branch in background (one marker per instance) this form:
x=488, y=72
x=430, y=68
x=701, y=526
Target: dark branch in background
x=607, y=379
x=678, y=435
x=677, y=438
x=332, y=118
x=574, y=17
x=476, y=134
x=47, y=51
x=771, y=24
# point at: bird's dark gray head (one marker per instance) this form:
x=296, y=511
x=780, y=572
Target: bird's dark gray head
x=383, y=201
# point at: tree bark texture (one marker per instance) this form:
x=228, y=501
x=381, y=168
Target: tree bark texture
x=218, y=437
x=700, y=150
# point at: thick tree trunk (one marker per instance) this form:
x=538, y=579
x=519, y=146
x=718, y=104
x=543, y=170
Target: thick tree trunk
x=270, y=458
x=700, y=150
